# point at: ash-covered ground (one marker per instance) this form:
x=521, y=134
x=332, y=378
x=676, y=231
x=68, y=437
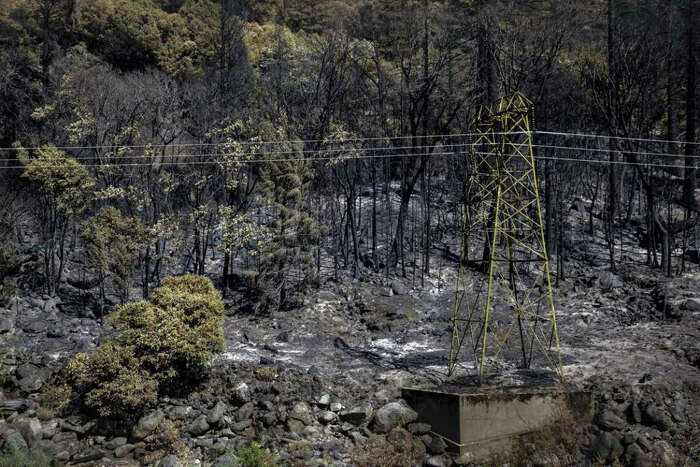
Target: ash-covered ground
x=320, y=383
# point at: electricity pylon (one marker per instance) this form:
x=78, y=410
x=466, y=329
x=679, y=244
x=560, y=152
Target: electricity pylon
x=504, y=294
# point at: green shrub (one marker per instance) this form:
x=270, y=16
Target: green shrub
x=249, y=456
x=112, y=382
x=177, y=332
x=165, y=345
x=14, y=458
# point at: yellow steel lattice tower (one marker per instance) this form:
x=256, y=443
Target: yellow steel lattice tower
x=504, y=307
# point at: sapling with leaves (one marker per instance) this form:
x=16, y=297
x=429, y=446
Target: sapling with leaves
x=63, y=184
x=113, y=243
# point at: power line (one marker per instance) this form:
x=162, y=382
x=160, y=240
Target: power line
x=376, y=156
x=252, y=143
x=340, y=140
x=345, y=150
x=627, y=138
x=260, y=153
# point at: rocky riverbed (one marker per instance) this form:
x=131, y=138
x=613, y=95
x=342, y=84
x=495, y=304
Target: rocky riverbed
x=320, y=384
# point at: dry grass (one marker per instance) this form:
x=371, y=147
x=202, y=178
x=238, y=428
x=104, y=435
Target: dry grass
x=378, y=451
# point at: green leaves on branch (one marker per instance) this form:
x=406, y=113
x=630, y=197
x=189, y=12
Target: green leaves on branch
x=165, y=345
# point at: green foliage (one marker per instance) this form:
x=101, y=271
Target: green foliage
x=113, y=243
x=165, y=345
x=62, y=180
x=250, y=456
x=138, y=34
x=111, y=381
x=63, y=184
x=14, y=458
x=176, y=333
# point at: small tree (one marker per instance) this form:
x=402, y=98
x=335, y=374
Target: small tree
x=113, y=244
x=165, y=346
x=285, y=185
x=63, y=183
x=177, y=332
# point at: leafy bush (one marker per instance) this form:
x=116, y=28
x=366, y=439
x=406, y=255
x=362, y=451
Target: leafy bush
x=165, y=346
x=14, y=458
x=177, y=332
x=112, y=381
x=249, y=456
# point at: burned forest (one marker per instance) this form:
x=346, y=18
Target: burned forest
x=372, y=233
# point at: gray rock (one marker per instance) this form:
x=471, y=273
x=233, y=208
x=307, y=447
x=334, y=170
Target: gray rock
x=31, y=383
x=147, y=425
x=30, y=428
x=358, y=415
x=336, y=407
x=12, y=405
x=216, y=414
x=14, y=441
x=301, y=412
x=635, y=456
x=392, y=415
x=169, y=461
x=116, y=442
x=608, y=420
x=324, y=400
x=294, y=426
x=418, y=428
x=634, y=413
x=49, y=429
x=545, y=459
x=398, y=287
x=37, y=326
x=199, y=426
x=655, y=416
x=180, y=412
x=692, y=304
x=241, y=394
x=242, y=425
x=609, y=281
x=46, y=447
x=437, y=461
x=607, y=446
x=437, y=445
x=327, y=417
x=124, y=450
x=6, y=325
x=245, y=412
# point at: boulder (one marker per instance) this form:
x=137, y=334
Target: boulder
x=607, y=446
x=14, y=441
x=30, y=428
x=392, y=415
x=37, y=326
x=199, y=426
x=6, y=325
x=327, y=416
x=31, y=383
x=169, y=461
x=216, y=414
x=609, y=421
x=147, y=425
x=324, y=401
x=245, y=412
x=655, y=416
x=358, y=415
x=241, y=394
x=124, y=450
x=301, y=412
x=692, y=304
x=398, y=287
x=179, y=412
